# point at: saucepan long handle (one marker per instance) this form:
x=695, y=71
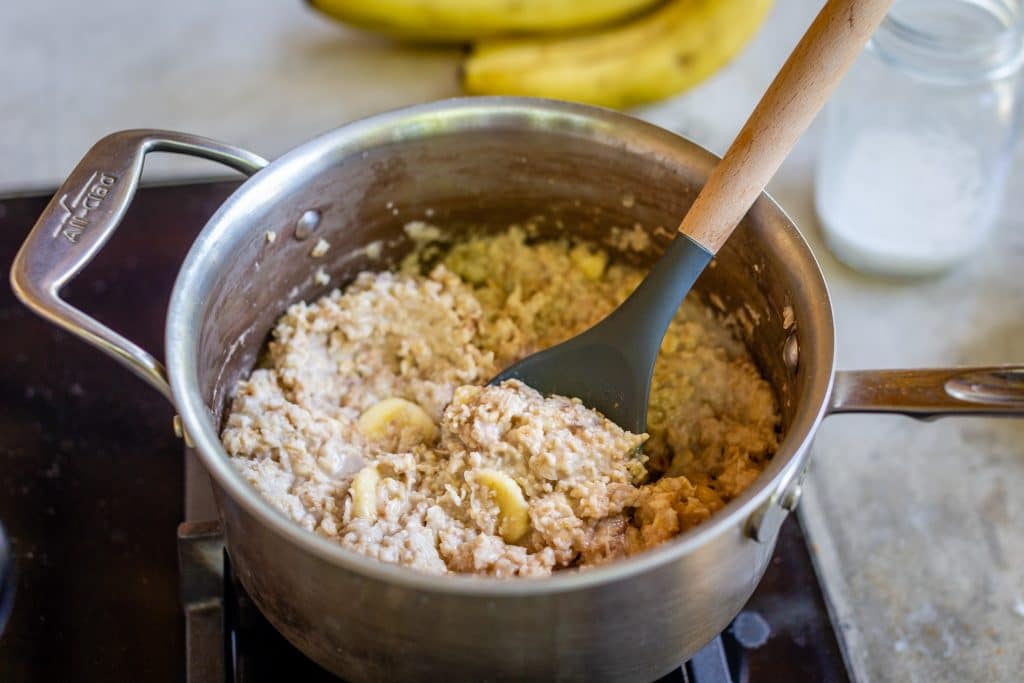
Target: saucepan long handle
x=82, y=216
x=932, y=393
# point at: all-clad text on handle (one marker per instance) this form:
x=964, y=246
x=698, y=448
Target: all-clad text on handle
x=82, y=216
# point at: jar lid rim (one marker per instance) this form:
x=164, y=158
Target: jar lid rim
x=960, y=57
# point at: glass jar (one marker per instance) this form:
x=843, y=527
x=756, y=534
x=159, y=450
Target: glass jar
x=919, y=136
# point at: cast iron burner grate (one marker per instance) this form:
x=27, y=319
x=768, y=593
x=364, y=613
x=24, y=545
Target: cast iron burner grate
x=784, y=633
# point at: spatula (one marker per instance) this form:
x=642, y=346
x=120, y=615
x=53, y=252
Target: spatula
x=609, y=366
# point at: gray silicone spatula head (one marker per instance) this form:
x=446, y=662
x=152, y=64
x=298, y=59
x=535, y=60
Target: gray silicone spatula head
x=609, y=366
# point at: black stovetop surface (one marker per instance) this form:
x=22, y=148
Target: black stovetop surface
x=91, y=485
x=91, y=474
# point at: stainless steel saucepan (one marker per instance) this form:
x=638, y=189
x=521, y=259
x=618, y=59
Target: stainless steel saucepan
x=475, y=163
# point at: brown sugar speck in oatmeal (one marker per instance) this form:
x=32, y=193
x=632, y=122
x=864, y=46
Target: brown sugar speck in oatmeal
x=371, y=425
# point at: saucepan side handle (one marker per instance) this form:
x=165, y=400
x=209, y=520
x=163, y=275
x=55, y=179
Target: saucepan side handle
x=931, y=393
x=82, y=216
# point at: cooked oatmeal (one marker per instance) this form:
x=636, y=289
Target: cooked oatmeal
x=371, y=426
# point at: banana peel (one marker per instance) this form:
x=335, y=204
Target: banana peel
x=659, y=53
x=467, y=20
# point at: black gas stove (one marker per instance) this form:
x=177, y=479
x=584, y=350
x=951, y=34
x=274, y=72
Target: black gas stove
x=92, y=484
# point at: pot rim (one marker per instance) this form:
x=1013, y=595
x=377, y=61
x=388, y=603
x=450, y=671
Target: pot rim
x=184, y=318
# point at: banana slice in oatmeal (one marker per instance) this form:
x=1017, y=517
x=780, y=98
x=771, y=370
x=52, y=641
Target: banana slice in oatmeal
x=364, y=493
x=397, y=423
x=514, y=513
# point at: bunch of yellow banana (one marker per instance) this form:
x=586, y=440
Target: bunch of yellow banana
x=469, y=20
x=615, y=53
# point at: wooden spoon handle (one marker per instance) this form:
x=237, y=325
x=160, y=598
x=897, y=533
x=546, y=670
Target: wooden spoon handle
x=827, y=50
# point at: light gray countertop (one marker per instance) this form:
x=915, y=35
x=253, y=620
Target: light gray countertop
x=918, y=528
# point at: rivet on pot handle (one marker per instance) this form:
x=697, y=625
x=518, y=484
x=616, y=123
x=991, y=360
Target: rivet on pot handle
x=82, y=216
x=931, y=393
x=764, y=524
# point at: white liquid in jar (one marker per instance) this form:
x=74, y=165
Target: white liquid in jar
x=903, y=202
